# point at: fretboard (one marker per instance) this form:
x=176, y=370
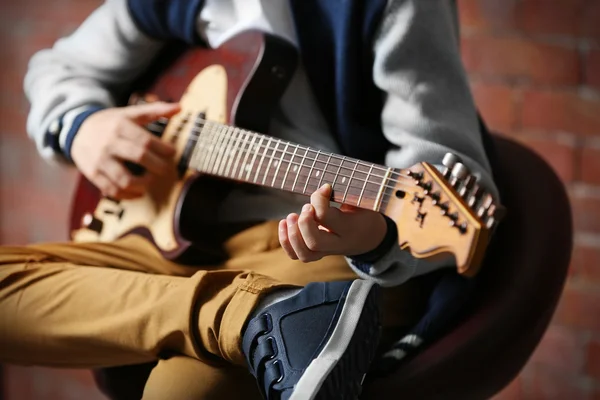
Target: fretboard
x=254, y=158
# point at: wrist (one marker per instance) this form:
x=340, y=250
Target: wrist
x=75, y=126
x=386, y=240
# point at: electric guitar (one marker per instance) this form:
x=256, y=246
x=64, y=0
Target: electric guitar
x=226, y=96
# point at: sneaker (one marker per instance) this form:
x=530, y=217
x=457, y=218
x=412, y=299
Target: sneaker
x=318, y=343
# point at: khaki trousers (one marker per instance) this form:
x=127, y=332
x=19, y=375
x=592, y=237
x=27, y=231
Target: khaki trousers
x=91, y=305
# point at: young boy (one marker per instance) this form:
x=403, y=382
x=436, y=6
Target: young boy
x=380, y=81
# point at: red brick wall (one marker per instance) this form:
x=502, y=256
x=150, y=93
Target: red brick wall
x=535, y=72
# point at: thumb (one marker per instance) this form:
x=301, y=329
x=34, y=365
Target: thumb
x=325, y=214
x=145, y=113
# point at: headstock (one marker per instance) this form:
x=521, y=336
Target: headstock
x=444, y=212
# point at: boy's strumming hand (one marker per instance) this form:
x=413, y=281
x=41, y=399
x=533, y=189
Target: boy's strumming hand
x=109, y=137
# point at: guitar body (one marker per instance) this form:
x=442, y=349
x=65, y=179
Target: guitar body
x=239, y=84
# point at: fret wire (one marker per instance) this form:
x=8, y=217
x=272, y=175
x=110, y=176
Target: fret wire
x=195, y=153
x=262, y=159
x=337, y=173
x=214, y=149
x=204, y=146
x=360, y=162
x=208, y=147
x=198, y=153
x=289, y=166
x=200, y=145
x=240, y=152
x=208, y=138
x=273, y=154
x=300, y=169
x=244, y=163
x=254, y=155
x=379, y=198
x=221, y=137
x=311, y=170
x=226, y=151
x=349, y=182
x=234, y=144
x=231, y=150
x=325, y=171
x=368, y=192
x=364, y=185
x=280, y=162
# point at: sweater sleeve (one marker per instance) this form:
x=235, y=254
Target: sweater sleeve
x=89, y=69
x=428, y=111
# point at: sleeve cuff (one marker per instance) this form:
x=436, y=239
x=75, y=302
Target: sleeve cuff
x=62, y=131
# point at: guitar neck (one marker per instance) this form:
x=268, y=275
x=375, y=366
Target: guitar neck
x=249, y=157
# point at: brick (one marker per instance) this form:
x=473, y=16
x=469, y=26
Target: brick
x=557, y=17
x=497, y=106
x=586, y=212
x=561, y=349
x=558, y=153
x=12, y=120
x=11, y=81
x=579, y=307
x=561, y=110
x=586, y=263
x=592, y=69
x=487, y=15
x=556, y=385
x=590, y=163
x=521, y=59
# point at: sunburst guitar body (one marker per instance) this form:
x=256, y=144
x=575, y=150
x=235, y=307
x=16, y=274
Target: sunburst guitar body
x=236, y=86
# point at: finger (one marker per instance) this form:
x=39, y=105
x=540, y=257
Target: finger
x=285, y=241
x=295, y=237
x=123, y=178
x=130, y=151
x=316, y=240
x=146, y=140
x=110, y=189
x=324, y=213
x=146, y=113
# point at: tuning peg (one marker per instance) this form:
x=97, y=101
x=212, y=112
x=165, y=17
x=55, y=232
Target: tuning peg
x=92, y=223
x=459, y=172
x=494, y=215
x=467, y=186
x=486, y=203
x=475, y=196
x=449, y=160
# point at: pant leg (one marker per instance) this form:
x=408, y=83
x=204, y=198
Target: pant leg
x=61, y=306
x=184, y=378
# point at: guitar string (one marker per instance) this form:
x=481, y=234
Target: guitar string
x=336, y=156
x=307, y=150
x=213, y=136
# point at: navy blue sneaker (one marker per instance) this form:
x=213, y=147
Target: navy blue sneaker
x=317, y=344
